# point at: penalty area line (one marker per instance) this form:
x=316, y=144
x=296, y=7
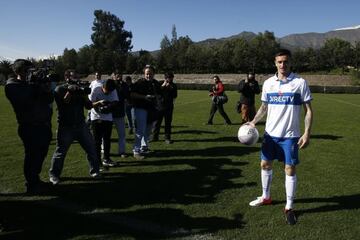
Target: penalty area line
x=343, y=101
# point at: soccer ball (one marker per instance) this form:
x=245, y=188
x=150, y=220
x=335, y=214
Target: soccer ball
x=248, y=135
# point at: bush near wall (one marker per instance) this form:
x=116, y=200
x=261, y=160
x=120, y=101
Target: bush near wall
x=314, y=89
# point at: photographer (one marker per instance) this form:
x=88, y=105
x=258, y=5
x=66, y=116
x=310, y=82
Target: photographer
x=248, y=88
x=216, y=91
x=103, y=99
x=118, y=112
x=169, y=90
x=30, y=101
x=71, y=98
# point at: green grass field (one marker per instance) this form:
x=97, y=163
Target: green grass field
x=197, y=188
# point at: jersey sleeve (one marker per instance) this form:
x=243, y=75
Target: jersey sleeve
x=264, y=93
x=306, y=94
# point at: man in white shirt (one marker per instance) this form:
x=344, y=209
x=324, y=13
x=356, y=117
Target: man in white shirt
x=103, y=99
x=282, y=98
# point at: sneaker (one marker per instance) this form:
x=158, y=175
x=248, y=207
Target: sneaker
x=290, y=216
x=109, y=163
x=139, y=156
x=103, y=169
x=145, y=151
x=168, y=141
x=54, y=180
x=96, y=175
x=259, y=201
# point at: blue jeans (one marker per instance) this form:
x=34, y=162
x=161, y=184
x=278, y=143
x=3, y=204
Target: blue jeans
x=142, y=131
x=120, y=128
x=130, y=114
x=65, y=137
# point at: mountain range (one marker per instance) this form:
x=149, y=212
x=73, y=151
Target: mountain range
x=300, y=40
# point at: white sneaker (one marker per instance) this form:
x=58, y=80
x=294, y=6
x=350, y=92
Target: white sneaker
x=259, y=201
x=54, y=180
x=108, y=163
x=96, y=175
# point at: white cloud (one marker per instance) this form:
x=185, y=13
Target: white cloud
x=348, y=28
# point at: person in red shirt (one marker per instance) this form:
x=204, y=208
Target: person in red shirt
x=216, y=91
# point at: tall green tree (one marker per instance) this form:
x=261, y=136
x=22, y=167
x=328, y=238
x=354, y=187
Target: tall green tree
x=263, y=48
x=69, y=58
x=356, y=55
x=337, y=53
x=110, y=41
x=85, y=61
x=5, y=68
x=241, y=56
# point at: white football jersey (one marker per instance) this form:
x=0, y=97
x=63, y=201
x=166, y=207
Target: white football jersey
x=284, y=101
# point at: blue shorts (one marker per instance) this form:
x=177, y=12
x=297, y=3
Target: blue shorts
x=284, y=149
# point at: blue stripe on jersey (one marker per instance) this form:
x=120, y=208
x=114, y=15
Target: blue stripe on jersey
x=284, y=98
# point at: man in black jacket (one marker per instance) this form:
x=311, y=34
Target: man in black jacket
x=169, y=92
x=146, y=97
x=71, y=99
x=248, y=88
x=31, y=104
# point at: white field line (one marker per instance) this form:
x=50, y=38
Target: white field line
x=343, y=101
x=192, y=102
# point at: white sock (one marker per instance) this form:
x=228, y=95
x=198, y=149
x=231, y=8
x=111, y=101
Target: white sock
x=290, y=186
x=266, y=177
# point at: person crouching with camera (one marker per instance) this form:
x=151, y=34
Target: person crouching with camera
x=30, y=101
x=71, y=99
x=104, y=98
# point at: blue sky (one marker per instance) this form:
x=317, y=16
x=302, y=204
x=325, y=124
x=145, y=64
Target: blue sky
x=37, y=28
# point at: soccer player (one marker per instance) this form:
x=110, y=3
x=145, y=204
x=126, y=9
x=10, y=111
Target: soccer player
x=282, y=97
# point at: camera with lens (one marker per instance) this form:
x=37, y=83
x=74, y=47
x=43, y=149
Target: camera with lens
x=44, y=74
x=106, y=108
x=79, y=87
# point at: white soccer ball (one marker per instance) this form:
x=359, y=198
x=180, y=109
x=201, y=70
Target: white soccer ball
x=248, y=135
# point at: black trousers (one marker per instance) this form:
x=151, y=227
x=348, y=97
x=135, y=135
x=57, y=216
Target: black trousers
x=102, y=134
x=166, y=114
x=36, y=140
x=214, y=108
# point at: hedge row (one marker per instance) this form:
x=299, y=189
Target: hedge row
x=314, y=89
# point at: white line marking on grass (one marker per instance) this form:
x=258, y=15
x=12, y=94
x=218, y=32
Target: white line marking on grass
x=185, y=103
x=343, y=101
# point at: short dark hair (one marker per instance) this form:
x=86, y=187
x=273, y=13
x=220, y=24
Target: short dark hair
x=109, y=85
x=283, y=52
x=216, y=77
x=168, y=75
x=21, y=65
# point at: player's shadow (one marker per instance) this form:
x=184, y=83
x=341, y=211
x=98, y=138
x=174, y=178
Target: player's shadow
x=240, y=123
x=335, y=203
x=221, y=139
x=223, y=151
x=325, y=137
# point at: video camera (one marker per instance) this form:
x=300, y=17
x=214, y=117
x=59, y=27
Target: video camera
x=43, y=74
x=106, y=108
x=79, y=87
